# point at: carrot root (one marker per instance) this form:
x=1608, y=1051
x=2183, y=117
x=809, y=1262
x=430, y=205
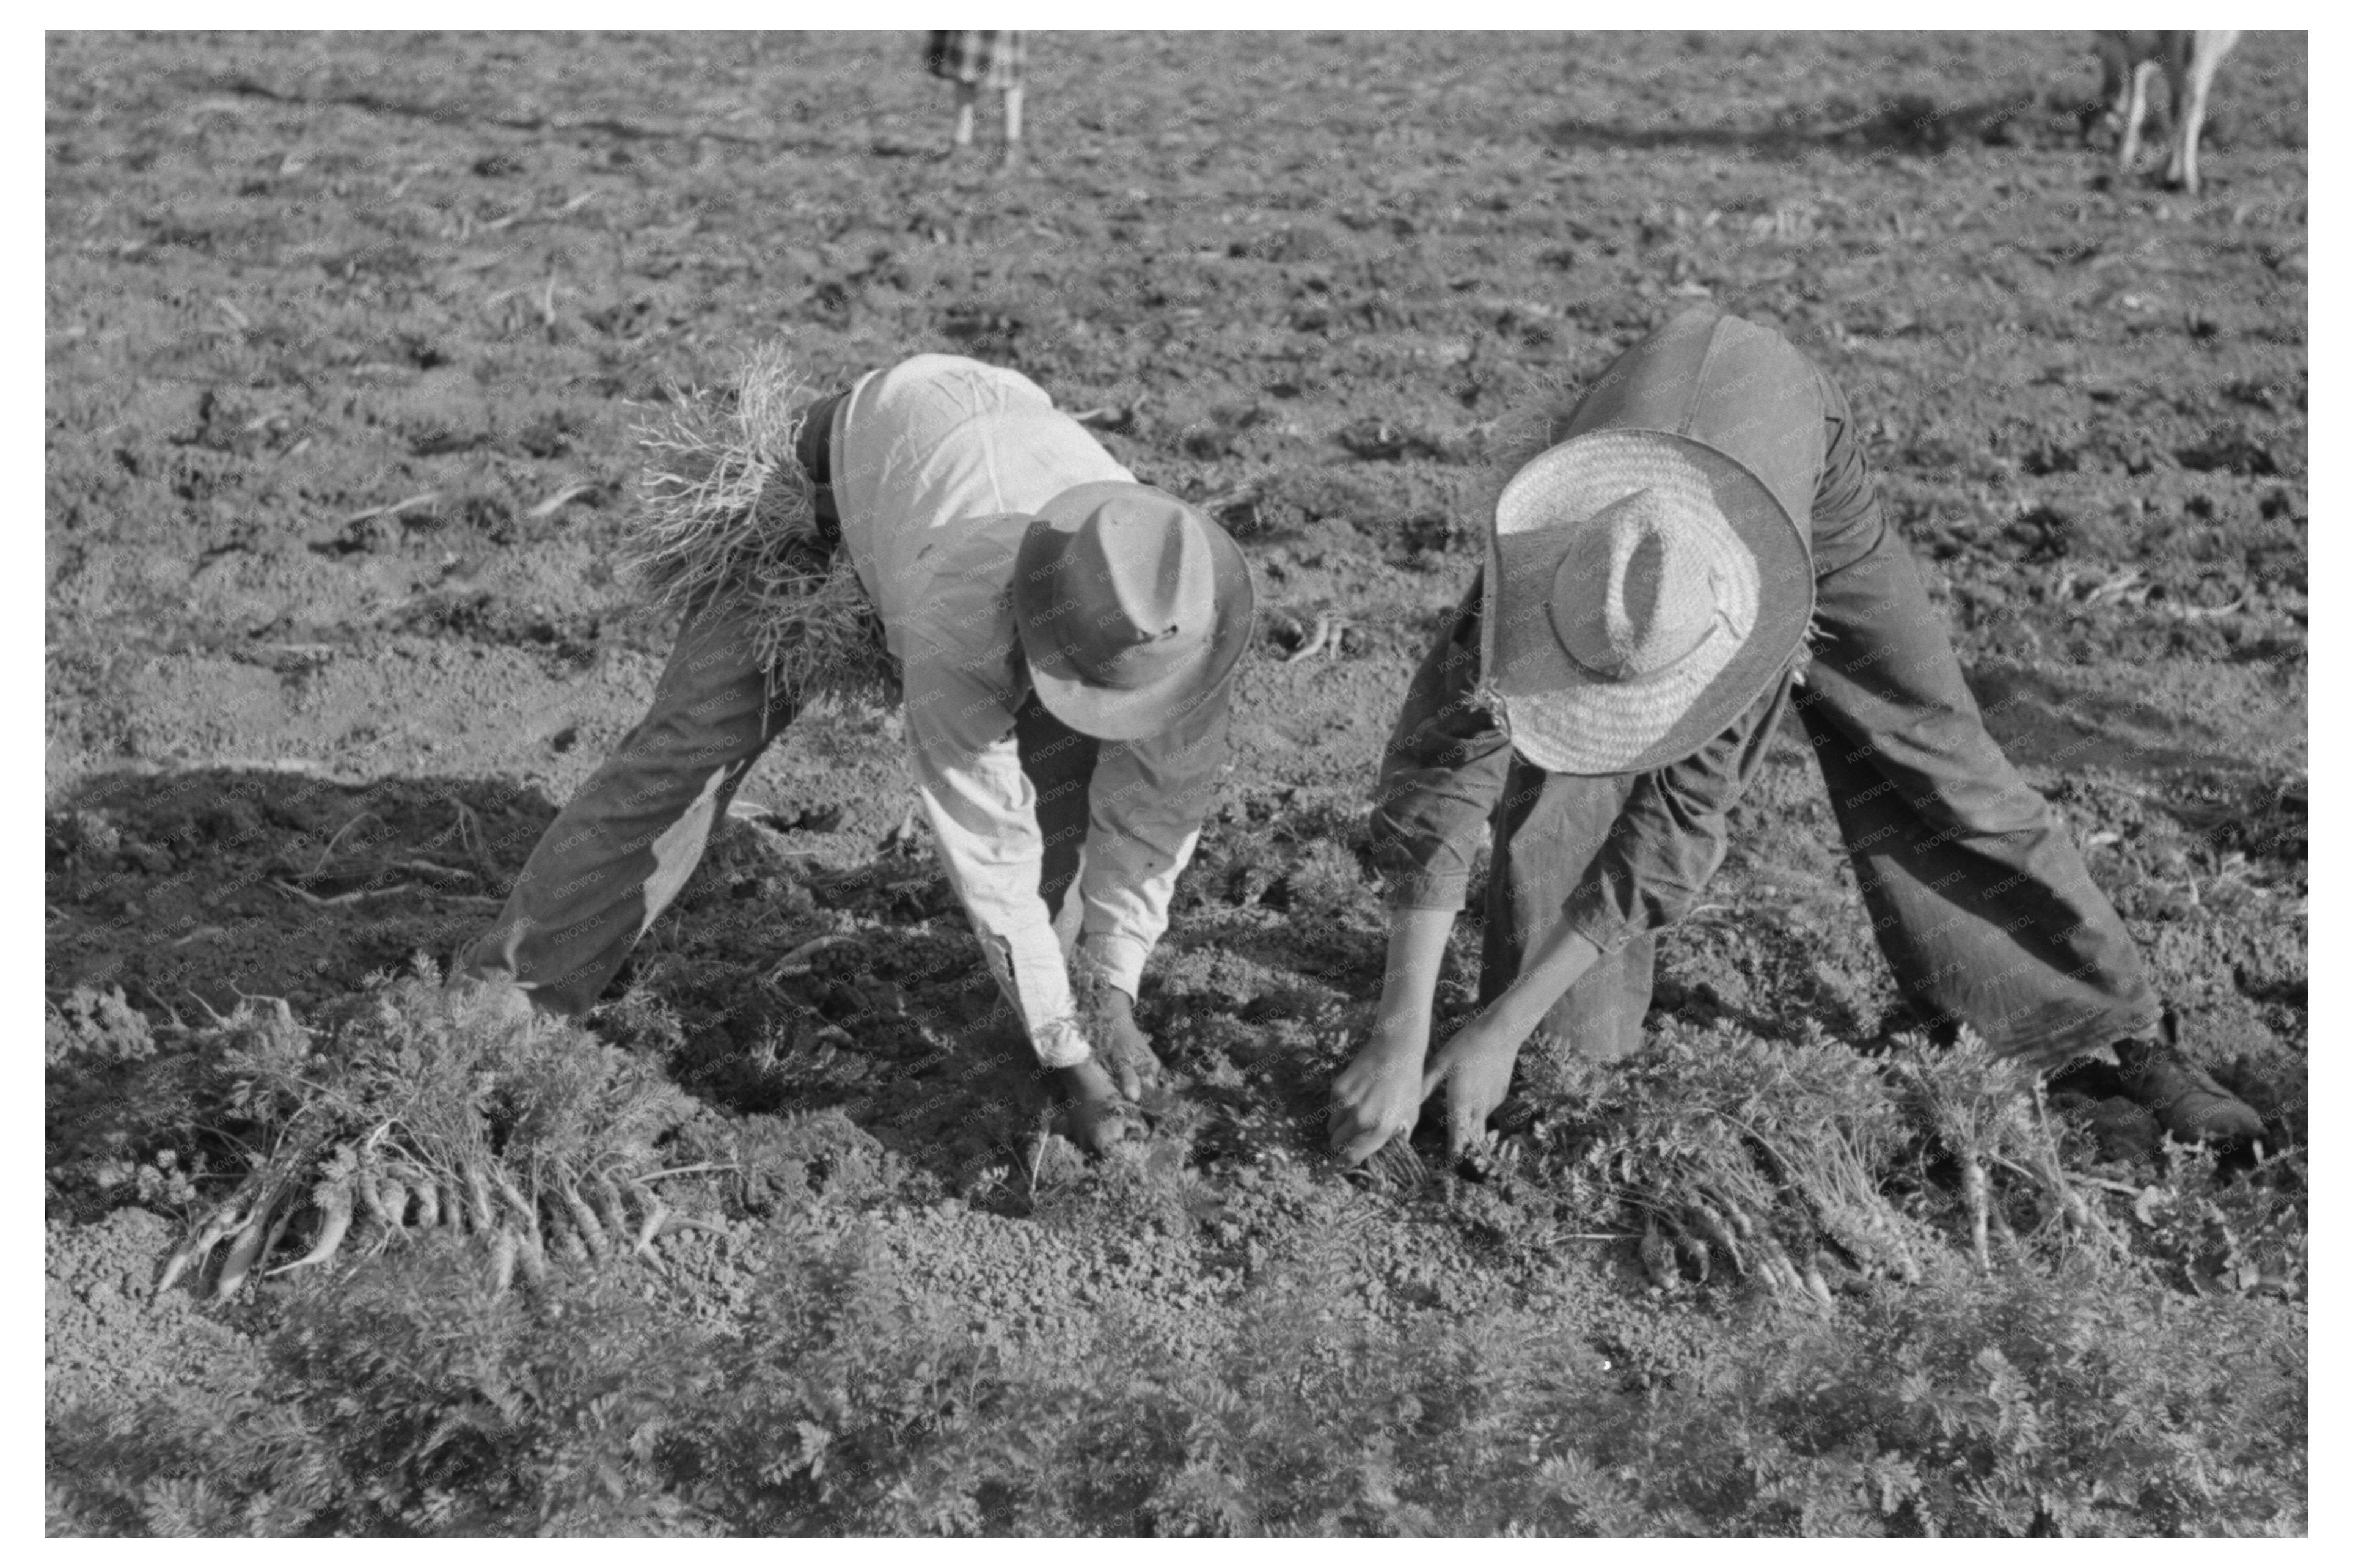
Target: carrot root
x=334, y=1203
x=1973, y=1196
x=605, y=1198
x=385, y=1211
x=532, y=1257
x=1657, y=1255
x=1776, y=1267
x=1695, y=1251
x=247, y=1246
x=1712, y=1225
x=278, y=1228
x=228, y=1217
x=173, y=1266
x=656, y=1212
x=1815, y=1284
x=584, y=1219
x=192, y=1252
x=503, y=1253
x=524, y=1210
x=478, y=1189
x=254, y=1242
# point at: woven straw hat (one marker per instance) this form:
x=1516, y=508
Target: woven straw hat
x=1642, y=588
x=1132, y=608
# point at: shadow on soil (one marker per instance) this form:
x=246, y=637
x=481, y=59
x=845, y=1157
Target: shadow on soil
x=1907, y=124
x=2042, y=718
x=800, y=969
x=445, y=114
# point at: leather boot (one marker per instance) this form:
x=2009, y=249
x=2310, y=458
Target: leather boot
x=2185, y=1100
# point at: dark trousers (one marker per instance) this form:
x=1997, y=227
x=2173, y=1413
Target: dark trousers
x=1976, y=892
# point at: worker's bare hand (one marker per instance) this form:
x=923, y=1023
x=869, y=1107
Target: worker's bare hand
x=1120, y=1043
x=1377, y=1097
x=1476, y=1069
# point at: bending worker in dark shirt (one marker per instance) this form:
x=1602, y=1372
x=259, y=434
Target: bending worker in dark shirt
x=1609, y=688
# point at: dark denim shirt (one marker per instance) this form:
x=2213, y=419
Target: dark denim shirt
x=1445, y=766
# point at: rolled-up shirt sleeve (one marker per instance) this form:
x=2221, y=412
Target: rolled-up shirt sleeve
x=1669, y=836
x=1145, y=809
x=1441, y=773
x=982, y=810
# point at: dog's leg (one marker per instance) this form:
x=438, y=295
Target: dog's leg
x=2136, y=106
x=2115, y=53
x=2180, y=68
x=2205, y=51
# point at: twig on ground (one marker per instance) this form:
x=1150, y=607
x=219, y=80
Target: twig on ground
x=423, y=498
x=557, y=501
x=434, y=868
x=2206, y=611
x=340, y=899
x=797, y=962
x=476, y=842
x=328, y=854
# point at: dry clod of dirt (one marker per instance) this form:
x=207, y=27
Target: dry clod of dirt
x=111, y=1341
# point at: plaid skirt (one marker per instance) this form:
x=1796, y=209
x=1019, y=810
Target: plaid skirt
x=980, y=60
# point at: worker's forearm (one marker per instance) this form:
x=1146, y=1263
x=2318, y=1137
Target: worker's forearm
x=1409, y=983
x=1558, y=963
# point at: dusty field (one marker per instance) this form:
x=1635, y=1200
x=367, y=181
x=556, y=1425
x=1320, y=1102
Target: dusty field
x=344, y=345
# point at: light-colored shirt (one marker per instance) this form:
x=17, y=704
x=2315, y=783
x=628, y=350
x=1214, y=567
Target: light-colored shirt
x=939, y=464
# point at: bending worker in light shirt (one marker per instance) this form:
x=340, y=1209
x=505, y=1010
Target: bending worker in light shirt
x=1064, y=638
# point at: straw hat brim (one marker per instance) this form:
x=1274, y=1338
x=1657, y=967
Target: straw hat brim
x=1104, y=712
x=1562, y=717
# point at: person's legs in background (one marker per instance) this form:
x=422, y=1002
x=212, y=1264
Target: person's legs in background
x=967, y=95
x=1013, y=154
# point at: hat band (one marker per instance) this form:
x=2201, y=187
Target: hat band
x=1717, y=624
x=1135, y=667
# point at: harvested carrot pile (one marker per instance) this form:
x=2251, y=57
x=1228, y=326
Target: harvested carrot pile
x=415, y=1108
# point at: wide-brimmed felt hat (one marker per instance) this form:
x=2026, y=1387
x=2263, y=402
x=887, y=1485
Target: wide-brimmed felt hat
x=1642, y=589
x=1132, y=607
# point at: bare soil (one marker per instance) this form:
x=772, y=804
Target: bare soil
x=346, y=338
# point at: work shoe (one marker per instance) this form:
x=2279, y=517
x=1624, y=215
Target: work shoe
x=2185, y=1101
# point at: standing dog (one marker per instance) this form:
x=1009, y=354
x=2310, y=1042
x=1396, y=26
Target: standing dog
x=2130, y=61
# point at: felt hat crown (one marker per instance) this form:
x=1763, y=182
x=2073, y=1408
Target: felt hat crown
x=1132, y=608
